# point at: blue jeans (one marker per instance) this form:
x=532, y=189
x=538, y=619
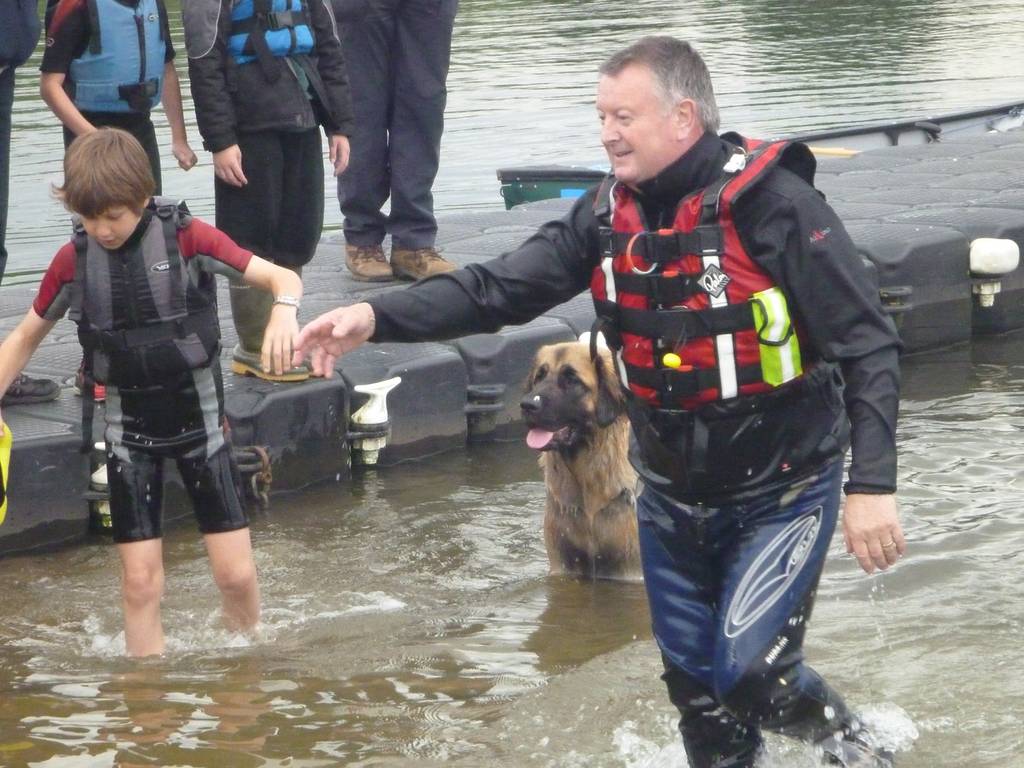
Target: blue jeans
x=731, y=590
x=6, y=109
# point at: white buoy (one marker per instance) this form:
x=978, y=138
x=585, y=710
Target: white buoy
x=991, y=257
x=371, y=420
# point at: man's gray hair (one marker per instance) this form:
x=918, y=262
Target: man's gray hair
x=679, y=73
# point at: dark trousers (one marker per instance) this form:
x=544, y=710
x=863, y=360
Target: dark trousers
x=397, y=54
x=6, y=108
x=278, y=215
x=731, y=591
x=138, y=125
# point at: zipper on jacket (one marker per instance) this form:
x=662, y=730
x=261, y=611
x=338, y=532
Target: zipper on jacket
x=141, y=33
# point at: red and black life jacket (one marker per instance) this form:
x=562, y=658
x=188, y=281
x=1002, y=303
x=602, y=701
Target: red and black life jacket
x=691, y=293
x=723, y=402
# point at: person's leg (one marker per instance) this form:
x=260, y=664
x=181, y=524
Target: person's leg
x=301, y=205
x=135, y=484
x=145, y=132
x=773, y=560
x=681, y=582
x=422, y=55
x=365, y=185
x=142, y=587
x=234, y=571
x=6, y=112
x=250, y=216
x=214, y=486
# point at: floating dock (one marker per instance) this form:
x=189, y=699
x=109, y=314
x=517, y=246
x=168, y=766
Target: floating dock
x=913, y=212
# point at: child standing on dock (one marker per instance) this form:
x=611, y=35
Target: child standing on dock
x=138, y=278
x=265, y=77
x=109, y=63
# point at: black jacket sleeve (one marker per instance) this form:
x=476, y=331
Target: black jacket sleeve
x=330, y=64
x=263, y=95
x=207, y=71
x=794, y=235
x=551, y=267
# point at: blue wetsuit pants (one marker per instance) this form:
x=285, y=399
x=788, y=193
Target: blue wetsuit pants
x=731, y=590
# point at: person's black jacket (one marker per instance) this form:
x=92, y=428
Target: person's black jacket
x=231, y=98
x=787, y=228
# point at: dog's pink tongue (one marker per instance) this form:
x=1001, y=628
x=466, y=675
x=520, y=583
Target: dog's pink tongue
x=538, y=438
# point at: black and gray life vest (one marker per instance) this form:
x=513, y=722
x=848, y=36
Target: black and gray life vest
x=143, y=316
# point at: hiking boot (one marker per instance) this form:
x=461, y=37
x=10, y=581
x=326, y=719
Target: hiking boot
x=24, y=390
x=246, y=363
x=367, y=263
x=417, y=263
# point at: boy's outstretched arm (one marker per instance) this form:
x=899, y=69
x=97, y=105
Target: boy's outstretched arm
x=283, y=326
x=171, y=98
x=18, y=347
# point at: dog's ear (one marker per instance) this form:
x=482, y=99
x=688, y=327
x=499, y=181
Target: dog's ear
x=611, y=402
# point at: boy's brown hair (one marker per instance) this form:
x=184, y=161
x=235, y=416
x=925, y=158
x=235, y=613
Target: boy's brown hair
x=105, y=169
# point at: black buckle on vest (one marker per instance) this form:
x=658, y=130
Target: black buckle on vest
x=668, y=290
x=606, y=242
x=709, y=239
x=279, y=20
x=663, y=247
x=139, y=96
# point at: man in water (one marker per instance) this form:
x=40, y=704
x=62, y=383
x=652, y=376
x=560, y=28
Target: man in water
x=755, y=349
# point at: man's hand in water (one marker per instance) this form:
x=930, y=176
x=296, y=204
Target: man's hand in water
x=331, y=335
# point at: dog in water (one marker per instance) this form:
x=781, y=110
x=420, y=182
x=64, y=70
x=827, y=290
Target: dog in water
x=576, y=414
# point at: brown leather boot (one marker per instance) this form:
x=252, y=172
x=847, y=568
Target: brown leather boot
x=367, y=263
x=417, y=263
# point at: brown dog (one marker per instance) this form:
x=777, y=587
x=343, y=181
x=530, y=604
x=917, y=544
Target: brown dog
x=575, y=411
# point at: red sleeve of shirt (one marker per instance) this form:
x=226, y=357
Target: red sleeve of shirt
x=66, y=37
x=201, y=239
x=60, y=273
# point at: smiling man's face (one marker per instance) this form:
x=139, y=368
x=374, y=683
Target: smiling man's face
x=640, y=132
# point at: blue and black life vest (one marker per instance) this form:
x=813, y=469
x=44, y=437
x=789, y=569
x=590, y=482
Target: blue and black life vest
x=263, y=29
x=122, y=69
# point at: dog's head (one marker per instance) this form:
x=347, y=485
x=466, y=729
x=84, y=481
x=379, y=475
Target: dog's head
x=569, y=397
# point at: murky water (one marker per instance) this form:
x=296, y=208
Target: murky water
x=409, y=619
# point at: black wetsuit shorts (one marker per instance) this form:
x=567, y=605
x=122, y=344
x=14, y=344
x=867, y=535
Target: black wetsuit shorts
x=180, y=420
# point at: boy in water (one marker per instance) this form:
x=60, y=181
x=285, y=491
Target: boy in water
x=139, y=280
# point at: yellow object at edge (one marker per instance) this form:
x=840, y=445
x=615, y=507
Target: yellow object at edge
x=5, y=461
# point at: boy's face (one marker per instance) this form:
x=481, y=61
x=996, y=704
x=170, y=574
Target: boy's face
x=114, y=226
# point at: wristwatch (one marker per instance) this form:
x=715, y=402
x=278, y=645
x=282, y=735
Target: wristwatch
x=288, y=301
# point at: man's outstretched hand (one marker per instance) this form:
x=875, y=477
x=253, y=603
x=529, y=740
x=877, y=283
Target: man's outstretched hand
x=331, y=335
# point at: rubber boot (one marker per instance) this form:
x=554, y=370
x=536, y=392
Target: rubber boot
x=855, y=750
x=250, y=311
x=712, y=737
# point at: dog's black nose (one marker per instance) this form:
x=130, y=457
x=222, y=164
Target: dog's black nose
x=530, y=403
